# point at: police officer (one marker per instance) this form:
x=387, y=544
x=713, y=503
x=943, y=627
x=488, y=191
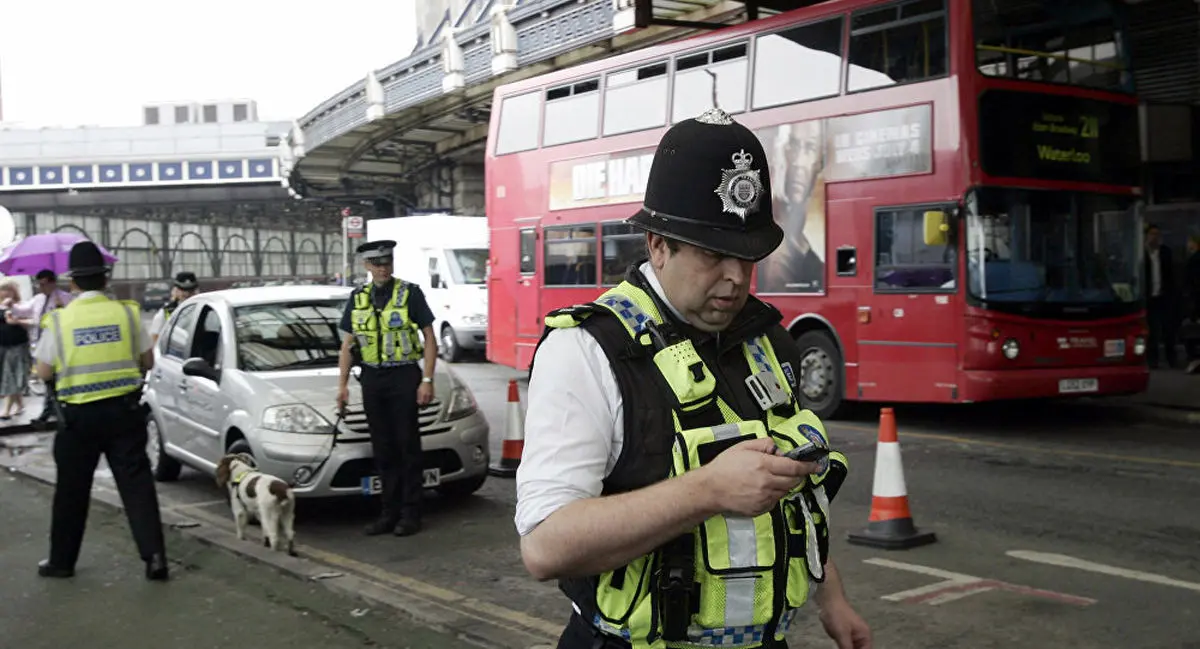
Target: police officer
x=185, y=286
x=97, y=350
x=672, y=396
x=384, y=322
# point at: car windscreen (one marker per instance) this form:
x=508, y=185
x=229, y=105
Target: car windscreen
x=288, y=335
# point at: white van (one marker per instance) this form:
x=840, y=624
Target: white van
x=447, y=256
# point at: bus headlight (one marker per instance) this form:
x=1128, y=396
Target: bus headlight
x=1139, y=346
x=1011, y=348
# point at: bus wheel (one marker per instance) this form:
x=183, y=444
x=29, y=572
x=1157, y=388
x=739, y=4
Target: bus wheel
x=820, y=376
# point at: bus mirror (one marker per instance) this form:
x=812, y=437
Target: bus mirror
x=937, y=228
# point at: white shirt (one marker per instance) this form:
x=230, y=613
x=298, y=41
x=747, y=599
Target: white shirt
x=574, y=426
x=35, y=307
x=47, y=347
x=156, y=324
x=1155, y=273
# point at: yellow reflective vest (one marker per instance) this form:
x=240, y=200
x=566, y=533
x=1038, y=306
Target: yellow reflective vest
x=734, y=581
x=387, y=336
x=98, y=352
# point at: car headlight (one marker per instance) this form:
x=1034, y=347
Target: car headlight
x=294, y=418
x=477, y=319
x=1011, y=348
x=461, y=403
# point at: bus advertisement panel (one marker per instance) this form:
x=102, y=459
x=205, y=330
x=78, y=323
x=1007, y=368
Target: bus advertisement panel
x=956, y=230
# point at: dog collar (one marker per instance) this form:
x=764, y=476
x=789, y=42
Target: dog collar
x=238, y=477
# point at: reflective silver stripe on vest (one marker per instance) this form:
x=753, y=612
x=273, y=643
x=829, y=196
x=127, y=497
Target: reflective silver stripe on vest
x=743, y=553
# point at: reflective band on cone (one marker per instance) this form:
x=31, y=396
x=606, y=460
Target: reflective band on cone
x=514, y=436
x=890, y=525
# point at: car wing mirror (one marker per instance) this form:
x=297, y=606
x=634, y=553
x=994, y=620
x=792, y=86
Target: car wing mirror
x=200, y=368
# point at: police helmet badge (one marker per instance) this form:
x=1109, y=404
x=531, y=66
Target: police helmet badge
x=741, y=188
x=394, y=320
x=812, y=435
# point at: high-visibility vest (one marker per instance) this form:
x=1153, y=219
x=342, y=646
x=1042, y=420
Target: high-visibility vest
x=388, y=336
x=743, y=577
x=98, y=352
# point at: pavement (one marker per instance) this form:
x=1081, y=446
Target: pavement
x=1058, y=524
x=215, y=599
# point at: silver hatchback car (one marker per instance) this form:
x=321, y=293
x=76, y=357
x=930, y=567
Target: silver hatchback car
x=255, y=370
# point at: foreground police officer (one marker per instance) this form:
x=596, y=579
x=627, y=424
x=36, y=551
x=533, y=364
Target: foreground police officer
x=721, y=542
x=384, y=322
x=98, y=351
x=185, y=286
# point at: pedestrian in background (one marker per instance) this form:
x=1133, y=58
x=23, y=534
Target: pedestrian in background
x=184, y=286
x=31, y=314
x=15, y=359
x=97, y=350
x=384, y=323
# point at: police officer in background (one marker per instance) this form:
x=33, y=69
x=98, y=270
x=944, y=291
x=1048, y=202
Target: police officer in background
x=680, y=356
x=97, y=351
x=384, y=322
x=185, y=286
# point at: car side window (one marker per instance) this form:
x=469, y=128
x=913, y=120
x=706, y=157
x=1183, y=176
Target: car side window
x=206, y=343
x=180, y=335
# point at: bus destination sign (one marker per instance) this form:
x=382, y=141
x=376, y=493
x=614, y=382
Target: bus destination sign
x=1054, y=137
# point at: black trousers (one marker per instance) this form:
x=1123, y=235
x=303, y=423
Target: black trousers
x=390, y=401
x=581, y=635
x=1162, y=321
x=112, y=427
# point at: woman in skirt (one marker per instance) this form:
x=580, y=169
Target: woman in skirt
x=16, y=362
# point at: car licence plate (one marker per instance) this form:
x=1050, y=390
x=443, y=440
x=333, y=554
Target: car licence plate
x=1075, y=386
x=373, y=485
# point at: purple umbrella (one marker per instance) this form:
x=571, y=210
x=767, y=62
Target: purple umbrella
x=39, y=252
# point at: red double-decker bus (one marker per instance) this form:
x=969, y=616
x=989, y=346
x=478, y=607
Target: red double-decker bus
x=958, y=181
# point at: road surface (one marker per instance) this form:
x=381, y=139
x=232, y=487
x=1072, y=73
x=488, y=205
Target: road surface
x=1057, y=526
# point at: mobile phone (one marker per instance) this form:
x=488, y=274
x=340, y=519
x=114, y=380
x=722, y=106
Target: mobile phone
x=809, y=453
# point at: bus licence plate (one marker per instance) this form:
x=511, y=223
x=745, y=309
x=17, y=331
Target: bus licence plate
x=373, y=485
x=1114, y=348
x=1073, y=386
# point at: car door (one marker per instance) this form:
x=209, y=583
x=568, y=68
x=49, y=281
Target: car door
x=202, y=404
x=166, y=379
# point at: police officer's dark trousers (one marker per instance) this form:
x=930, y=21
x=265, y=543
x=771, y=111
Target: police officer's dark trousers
x=112, y=427
x=580, y=635
x=390, y=400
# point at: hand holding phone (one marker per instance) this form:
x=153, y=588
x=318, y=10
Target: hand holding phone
x=807, y=453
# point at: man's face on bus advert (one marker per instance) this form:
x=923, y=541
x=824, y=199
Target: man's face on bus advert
x=705, y=287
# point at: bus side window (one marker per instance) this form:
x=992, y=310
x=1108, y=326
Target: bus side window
x=900, y=43
x=904, y=262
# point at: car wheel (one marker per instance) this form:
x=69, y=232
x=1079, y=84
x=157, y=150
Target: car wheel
x=448, y=345
x=461, y=488
x=164, y=467
x=820, y=375
x=240, y=446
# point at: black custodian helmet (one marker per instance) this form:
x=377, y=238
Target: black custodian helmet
x=86, y=260
x=709, y=186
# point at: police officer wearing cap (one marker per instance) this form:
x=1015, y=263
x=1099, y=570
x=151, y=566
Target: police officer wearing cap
x=384, y=323
x=654, y=484
x=97, y=351
x=184, y=286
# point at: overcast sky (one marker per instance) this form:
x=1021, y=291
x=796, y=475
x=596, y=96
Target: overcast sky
x=77, y=62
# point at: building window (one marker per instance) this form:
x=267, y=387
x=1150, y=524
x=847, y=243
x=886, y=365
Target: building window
x=210, y=114
x=241, y=112
x=520, y=120
x=569, y=256
x=528, y=251
x=700, y=79
x=900, y=43
x=151, y=117
x=814, y=48
x=623, y=245
x=181, y=115
x=645, y=90
x=904, y=262
x=572, y=113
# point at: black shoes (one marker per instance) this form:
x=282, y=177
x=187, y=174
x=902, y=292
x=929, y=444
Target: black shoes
x=405, y=525
x=156, y=568
x=382, y=525
x=46, y=569
x=408, y=526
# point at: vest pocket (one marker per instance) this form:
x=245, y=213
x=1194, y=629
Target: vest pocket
x=619, y=591
x=797, y=574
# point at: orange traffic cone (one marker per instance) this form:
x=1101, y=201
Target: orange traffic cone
x=890, y=525
x=514, y=436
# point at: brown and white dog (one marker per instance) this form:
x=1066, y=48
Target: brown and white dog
x=254, y=495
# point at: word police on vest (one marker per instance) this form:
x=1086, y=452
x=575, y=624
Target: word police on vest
x=97, y=335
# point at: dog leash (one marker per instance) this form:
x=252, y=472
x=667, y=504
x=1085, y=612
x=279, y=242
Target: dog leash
x=333, y=433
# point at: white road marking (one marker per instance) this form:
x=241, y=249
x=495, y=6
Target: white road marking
x=1064, y=561
x=956, y=585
